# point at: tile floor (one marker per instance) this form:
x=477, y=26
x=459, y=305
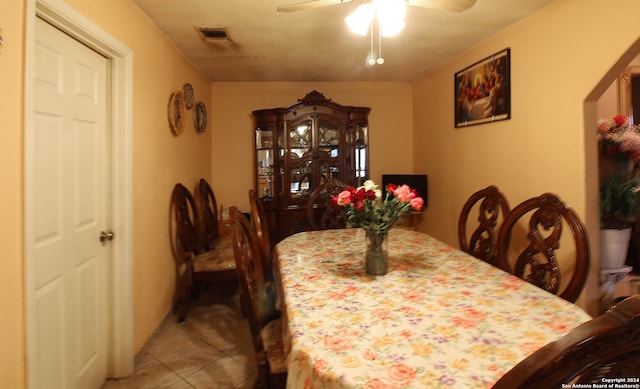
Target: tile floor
x=211, y=349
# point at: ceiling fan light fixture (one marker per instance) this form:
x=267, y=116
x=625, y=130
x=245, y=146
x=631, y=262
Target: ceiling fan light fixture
x=391, y=28
x=360, y=19
x=391, y=16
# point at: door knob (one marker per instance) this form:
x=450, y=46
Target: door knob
x=106, y=235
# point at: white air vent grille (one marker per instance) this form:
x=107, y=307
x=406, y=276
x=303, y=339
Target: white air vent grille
x=213, y=34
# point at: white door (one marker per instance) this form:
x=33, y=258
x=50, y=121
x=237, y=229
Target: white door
x=66, y=210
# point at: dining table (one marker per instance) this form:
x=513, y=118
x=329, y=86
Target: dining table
x=440, y=318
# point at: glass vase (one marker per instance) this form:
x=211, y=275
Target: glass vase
x=376, y=252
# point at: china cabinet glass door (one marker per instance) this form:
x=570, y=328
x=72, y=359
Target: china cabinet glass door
x=314, y=153
x=269, y=150
x=357, y=142
x=265, y=159
x=329, y=152
x=300, y=157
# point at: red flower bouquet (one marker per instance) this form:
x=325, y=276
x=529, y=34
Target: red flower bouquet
x=367, y=209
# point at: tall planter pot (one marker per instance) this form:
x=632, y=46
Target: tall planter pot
x=613, y=248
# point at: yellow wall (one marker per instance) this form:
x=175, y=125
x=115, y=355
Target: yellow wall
x=159, y=161
x=390, y=126
x=11, y=226
x=559, y=56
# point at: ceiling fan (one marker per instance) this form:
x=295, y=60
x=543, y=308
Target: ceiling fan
x=450, y=5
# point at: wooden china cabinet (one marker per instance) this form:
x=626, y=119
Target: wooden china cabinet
x=299, y=148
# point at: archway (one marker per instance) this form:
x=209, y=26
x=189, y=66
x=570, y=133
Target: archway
x=590, y=117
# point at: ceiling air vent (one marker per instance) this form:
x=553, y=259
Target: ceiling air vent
x=211, y=34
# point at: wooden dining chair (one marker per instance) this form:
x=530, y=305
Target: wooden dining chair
x=545, y=217
x=260, y=224
x=261, y=227
x=195, y=262
x=492, y=207
x=607, y=347
x=208, y=215
x=264, y=322
x=322, y=212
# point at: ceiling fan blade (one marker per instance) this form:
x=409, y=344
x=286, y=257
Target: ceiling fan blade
x=308, y=4
x=450, y=5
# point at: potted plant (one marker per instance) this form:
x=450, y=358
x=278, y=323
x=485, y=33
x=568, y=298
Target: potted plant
x=619, y=207
x=619, y=144
x=619, y=202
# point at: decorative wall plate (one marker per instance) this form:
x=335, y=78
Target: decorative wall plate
x=189, y=96
x=176, y=113
x=200, y=117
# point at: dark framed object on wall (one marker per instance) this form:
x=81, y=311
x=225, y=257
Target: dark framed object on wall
x=483, y=91
x=629, y=94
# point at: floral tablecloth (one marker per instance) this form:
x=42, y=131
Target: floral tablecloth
x=439, y=319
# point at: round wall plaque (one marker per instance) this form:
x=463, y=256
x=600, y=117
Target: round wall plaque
x=200, y=117
x=176, y=113
x=189, y=96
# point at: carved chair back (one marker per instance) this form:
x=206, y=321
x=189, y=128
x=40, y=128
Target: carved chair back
x=266, y=330
x=322, y=212
x=492, y=206
x=185, y=212
x=196, y=261
x=208, y=209
x=537, y=263
x=248, y=257
x=261, y=225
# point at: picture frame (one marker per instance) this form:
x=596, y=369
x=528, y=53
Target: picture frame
x=483, y=91
x=628, y=101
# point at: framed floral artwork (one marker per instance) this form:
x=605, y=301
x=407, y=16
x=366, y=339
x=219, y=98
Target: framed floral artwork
x=483, y=91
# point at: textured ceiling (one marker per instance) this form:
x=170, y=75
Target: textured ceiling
x=316, y=44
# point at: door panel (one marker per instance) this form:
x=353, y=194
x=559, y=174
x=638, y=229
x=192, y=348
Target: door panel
x=67, y=207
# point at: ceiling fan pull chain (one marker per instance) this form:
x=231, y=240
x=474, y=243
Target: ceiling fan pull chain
x=372, y=57
x=380, y=60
